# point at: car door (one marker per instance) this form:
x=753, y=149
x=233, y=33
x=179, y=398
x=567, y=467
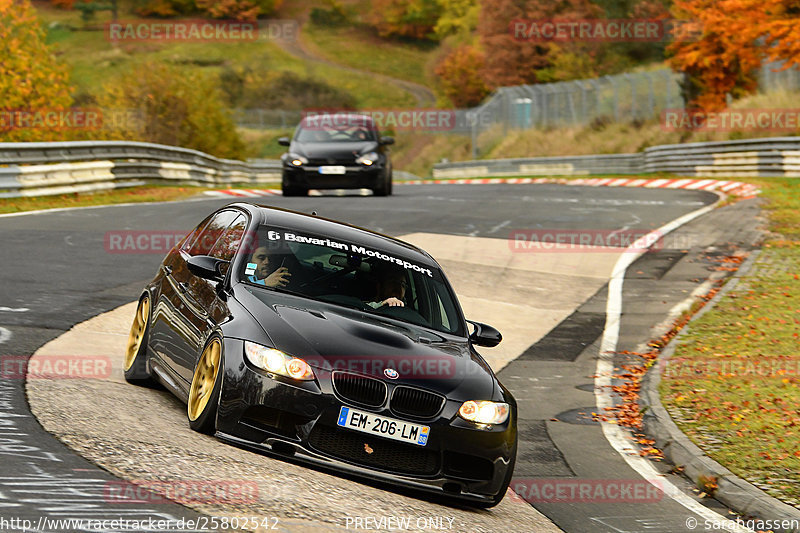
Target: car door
x=194, y=298
x=169, y=329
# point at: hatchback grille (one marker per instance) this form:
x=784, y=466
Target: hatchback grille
x=360, y=389
x=416, y=402
x=374, y=452
x=333, y=161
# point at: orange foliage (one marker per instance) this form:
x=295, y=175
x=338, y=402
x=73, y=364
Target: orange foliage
x=30, y=77
x=460, y=77
x=511, y=61
x=737, y=35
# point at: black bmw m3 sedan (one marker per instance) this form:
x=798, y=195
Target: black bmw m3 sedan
x=299, y=336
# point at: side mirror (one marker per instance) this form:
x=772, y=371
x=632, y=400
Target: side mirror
x=485, y=335
x=284, y=141
x=387, y=140
x=206, y=267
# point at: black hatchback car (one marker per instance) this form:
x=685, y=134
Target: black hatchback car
x=336, y=151
x=304, y=337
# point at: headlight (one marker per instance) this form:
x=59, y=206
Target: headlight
x=277, y=362
x=296, y=160
x=483, y=412
x=367, y=159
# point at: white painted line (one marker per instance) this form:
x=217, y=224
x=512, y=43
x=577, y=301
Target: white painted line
x=619, y=438
x=4, y=335
x=500, y=226
x=13, y=309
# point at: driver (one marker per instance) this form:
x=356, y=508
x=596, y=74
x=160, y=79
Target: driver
x=391, y=289
x=264, y=274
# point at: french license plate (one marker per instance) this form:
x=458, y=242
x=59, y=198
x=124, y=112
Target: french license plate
x=336, y=169
x=383, y=426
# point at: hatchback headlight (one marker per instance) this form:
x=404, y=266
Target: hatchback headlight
x=277, y=362
x=484, y=412
x=296, y=160
x=368, y=159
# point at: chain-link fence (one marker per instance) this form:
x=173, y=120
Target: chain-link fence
x=774, y=77
x=619, y=98
x=624, y=97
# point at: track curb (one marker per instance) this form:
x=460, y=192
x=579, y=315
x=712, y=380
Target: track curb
x=733, y=188
x=733, y=491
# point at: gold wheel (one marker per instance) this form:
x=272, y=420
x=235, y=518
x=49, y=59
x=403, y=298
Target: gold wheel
x=205, y=376
x=138, y=329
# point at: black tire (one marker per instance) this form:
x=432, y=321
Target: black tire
x=506, y=482
x=201, y=408
x=135, y=362
x=292, y=190
x=385, y=186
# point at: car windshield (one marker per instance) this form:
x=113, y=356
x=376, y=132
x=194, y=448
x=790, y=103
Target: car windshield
x=355, y=129
x=353, y=276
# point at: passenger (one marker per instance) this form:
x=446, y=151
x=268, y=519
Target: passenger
x=266, y=275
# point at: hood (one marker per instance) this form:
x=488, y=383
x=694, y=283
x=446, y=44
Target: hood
x=331, y=337
x=336, y=150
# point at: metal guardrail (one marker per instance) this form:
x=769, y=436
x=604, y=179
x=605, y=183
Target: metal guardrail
x=768, y=157
x=542, y=166
x=38, y=169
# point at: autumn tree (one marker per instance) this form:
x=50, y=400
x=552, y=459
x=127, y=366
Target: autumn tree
x=157, y=103
x=515, y=61
x=458, y=18
x=238, y=9
x=165, y=8
x=736, y=37
x=405, y=18
x=460, y=79
x=221, y=9
x=30, y=77
x=780, y=32
x=724, y=58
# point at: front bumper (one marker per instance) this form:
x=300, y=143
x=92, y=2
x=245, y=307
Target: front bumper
x=299, y=420
x=355, y=177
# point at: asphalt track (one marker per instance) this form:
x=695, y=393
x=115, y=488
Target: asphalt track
x=57, y=271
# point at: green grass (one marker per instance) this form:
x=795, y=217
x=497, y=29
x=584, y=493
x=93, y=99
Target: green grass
x=93, y=59
x=150, y=193
x=741, y=406
x=119, y=196
x=362, y=49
